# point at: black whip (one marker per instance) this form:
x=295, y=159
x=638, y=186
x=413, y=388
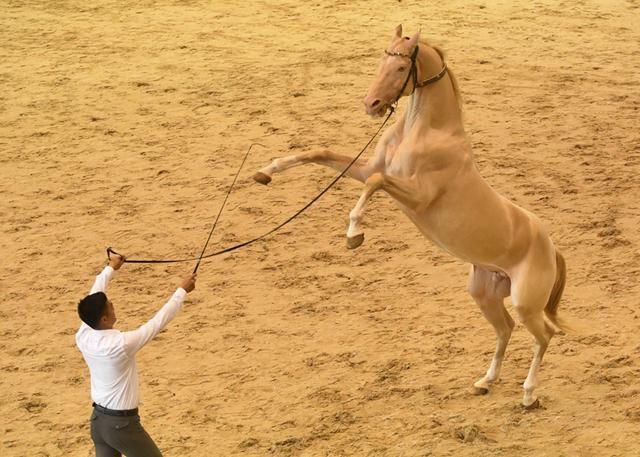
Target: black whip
x=195, y=270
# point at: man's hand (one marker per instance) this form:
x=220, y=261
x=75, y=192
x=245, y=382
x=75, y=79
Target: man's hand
x=189, y=282
x=116, y=261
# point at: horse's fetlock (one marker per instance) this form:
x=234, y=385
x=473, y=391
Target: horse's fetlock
x=529, y=386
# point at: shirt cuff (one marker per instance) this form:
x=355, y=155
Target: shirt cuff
x=180, y=293
x=109, y=269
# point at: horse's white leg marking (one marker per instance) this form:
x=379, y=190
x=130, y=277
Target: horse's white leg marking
x=359, y=170
x=530, y=289
x=489, y=289
x=355, y=235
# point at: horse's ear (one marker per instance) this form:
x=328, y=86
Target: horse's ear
x=398, y=31
x=414, y=39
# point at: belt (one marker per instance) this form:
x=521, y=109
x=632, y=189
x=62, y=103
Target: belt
x=115, y=412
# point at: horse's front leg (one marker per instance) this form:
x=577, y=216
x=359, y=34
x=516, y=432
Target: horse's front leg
x=401, y=189
x=355, y=234
x=360, y=170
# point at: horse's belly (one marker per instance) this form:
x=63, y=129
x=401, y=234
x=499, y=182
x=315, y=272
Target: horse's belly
x=479, y=235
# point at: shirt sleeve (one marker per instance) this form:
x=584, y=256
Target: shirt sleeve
x=102, y=280
x=136, y=339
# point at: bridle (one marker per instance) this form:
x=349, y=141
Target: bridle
x=413, y=73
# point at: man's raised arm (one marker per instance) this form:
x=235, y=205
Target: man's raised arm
x=102, y=280
x=136, y=339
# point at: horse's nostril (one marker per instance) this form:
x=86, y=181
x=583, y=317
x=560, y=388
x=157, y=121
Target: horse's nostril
x=376, y=103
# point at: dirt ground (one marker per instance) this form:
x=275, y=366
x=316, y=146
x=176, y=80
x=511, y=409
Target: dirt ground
x=123, y=125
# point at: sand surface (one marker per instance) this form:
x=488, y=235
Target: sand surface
x=123, y=124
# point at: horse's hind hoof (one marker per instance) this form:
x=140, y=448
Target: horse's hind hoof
x=480, y=391
x=262, y=178
x=533, y=406
x=355, y=241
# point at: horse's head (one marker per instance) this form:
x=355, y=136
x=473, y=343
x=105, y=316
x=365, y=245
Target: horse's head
x=393, y=74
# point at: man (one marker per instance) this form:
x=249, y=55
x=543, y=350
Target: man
x=110, y=355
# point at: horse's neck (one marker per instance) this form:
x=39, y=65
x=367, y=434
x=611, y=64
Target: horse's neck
x=434, y=107
x=411, y=113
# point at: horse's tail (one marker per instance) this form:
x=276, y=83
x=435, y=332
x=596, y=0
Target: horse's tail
x=551, y=310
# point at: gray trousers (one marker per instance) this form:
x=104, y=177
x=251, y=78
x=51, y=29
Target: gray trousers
x=117, y=435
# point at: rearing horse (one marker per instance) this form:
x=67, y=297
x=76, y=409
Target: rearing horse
x=424, y=161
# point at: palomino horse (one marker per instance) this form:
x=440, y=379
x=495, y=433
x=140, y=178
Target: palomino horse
x=424, y=161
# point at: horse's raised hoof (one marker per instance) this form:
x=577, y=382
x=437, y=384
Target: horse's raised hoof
x=533, y=406
x=480, y=391
x=262, y=178
x=355, y=241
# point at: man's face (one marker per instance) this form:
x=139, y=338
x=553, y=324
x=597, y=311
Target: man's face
x=110, y=316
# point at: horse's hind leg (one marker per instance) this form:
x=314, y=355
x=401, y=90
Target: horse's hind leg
x=360, y=170
x=530, y=290
x=489, y=289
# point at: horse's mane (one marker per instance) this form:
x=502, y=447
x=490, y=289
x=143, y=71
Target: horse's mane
x=454, y=81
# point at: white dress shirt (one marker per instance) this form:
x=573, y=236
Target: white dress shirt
x=110, y=354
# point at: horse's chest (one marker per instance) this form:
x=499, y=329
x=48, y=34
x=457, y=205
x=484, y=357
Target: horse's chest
x=397, y=163
x=389, y=155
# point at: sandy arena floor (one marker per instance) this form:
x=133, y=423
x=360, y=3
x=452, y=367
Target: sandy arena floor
x=123, y=125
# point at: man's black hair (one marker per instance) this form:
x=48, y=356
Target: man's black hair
x=91, y=308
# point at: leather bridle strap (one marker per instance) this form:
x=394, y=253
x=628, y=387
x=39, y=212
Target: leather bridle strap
x=434, y=78
x=413, y=72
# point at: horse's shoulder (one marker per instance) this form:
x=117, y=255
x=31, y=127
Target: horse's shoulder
x=441, y=146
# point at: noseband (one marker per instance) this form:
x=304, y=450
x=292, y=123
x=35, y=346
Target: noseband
x=413, y=72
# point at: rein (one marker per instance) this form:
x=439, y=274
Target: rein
x=413, y=74
x=264, y=235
